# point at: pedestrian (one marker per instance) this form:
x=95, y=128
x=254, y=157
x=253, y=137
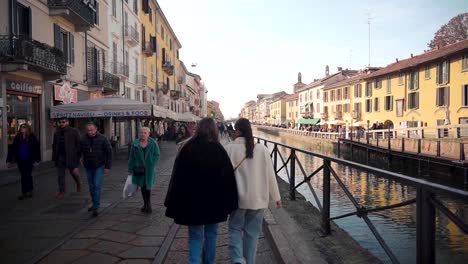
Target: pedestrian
x=143, y=158
x=66, y=154
x=256, y=182
x=96, y=155
x=160, y=131
x=202, y=191
x=183, y=135
x=25, y=151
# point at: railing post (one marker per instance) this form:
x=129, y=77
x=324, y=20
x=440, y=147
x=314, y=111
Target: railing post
x=339, y=148
x=425, y=227
x=377, y=141
x=326, y=198
x=438, y=148
x=458, y=132
x=389, y=142
x=275, y=157
x=367, y=136
x=403, y=144
x=419, y=146
x=292, y=180
x=422, y=133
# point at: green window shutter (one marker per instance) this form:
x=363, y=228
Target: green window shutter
x=72, y=48
x=438, y=73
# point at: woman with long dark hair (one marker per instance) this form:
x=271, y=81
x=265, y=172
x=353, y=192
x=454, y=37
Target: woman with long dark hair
x=202, y=191
x=25, y=151
x=256, y=181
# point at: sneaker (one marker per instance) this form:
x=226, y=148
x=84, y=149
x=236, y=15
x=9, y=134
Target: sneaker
x=90, y=209
x=60, y=195
x=95, y=212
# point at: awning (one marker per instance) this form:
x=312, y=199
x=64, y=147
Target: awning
x=308, y=121
x=159, y=111
x=337, y=122
x=188, y=117
x=306, y=105
x=103, y=107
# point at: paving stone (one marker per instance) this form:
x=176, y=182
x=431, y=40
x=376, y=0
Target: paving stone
x=147, y=241
x=139, y=253
x=79, y=243
x=180, y=244
x=127, y=227
x=109, y=247
x=136, y=261
x=64, y=256
x=223, y=240
x=97, y=258
x=265, y=258
x=175, y=257
x=154, y=231
x=103, y=224
x=183, y=232
x=117, y=236
x=222, y=253
x=89, y=233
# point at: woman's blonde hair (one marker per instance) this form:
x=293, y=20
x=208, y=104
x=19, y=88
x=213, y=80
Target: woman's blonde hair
x=145, y=129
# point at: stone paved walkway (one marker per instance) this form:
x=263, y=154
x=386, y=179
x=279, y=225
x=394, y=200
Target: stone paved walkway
x=122, y=234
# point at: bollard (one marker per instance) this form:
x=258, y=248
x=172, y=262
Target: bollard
x=326, y=198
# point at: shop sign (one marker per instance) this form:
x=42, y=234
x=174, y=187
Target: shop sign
x=91, y=114
x=22, y=86
x=64, y=93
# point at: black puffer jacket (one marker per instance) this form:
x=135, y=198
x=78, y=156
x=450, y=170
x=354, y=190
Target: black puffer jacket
x=96, y=152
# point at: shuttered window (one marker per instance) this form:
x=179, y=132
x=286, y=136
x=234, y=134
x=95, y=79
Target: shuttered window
x=368, y=89
x=465, y=95
x=413, y=100
x=443, y=72
x=376, y=104
x=388, y=103
x=358, y=90
x=465, y=62
x=369, y=105
x=389, y=84
x=65, y=41
x=414, y=80
x=442, y=96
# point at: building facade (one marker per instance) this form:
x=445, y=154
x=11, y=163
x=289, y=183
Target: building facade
x=278, y=110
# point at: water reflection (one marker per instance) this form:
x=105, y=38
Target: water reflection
x=397, y=226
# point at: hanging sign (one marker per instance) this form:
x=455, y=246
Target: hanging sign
x=65, y=93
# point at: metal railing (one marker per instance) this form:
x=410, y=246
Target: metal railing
x=119, y=68
x=131, y=33
x=18, y=49
x=427, y=200
x=104, y=79
x=168, y=68
x=141, y=80
x=77, y=6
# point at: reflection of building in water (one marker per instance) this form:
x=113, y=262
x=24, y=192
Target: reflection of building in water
x=456, y=238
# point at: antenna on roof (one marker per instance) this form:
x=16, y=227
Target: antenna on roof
x=369, y=18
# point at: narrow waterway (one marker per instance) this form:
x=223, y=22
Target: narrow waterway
x=397, y=226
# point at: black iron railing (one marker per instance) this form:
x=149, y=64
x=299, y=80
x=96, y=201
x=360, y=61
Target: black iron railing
x=168, y=68
x=131, y=33
x=119, y=68
x=46, y=59
x=427, y=198
x=104, y=79
x=79, y=7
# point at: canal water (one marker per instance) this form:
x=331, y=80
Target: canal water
x=397, y=226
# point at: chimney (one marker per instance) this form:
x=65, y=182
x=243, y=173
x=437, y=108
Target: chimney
x=411, y=55
x=396, y=59
x=340, y=69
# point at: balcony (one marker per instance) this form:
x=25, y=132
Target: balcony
x=131, y=36
x=77, y=12
x=104, y=81
x=141, y=80
x=19, y=53
x=180, y=80
x=148, y=49
x=324, y=116
x=175, y=95
x=339, y=115
x=119, y=69
x=356, y=115
x=168, y=68
x=163, y=87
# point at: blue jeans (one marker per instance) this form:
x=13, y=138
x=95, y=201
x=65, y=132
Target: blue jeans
x=95, y=182
x=244, y=229
x=197, y=245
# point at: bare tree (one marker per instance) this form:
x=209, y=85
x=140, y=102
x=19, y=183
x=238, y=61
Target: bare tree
x=455, y=30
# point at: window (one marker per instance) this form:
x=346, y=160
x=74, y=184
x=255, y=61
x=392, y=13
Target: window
x=318, y=94
x=135, y=6
x=22, y=25
x=465, y=95
x=332, y=96
x=325, y=110
x=388, y=103
x=442, y=72
x=378, y=83
x=114, y=57
x=376, y=104
x=389, y=84
x=339, y=95
x=427, y=72
x=368, y=89
x=413, y=100
x=65, y=42
x=162, y=32
x=465, y=62
x=339, y=109
x=369, y=105
x=325, y=97
x=170, y=44
x=442, y=96
x=300, y=98
x=150, y=14
x=152, y=72
x=346, y=93
x=401, y=77
x=358, y=90
x=96, y=14
x=414, y=80
x=114, y=8
x=310, y=96
x=346, y=108
x=357, y=110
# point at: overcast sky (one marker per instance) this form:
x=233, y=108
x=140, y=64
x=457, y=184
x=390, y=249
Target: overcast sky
x=246, y=47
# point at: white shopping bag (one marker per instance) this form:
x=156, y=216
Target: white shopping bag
x=129, y=188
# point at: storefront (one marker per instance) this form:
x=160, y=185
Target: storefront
x=21, y=104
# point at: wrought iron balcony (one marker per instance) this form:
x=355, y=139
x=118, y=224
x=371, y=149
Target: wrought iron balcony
x=141, y=80
x=180, y=80
x=131, y=36
x=148, y=49
x=107, y=82
x=163, y=87
x=168, y=68
x=17, y=52
x=79, y=12
x=119, y=69
x=175, y=95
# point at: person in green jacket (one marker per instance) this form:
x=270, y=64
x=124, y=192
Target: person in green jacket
x=144, y=156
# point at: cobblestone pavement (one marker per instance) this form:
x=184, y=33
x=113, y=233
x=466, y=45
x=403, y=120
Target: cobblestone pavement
x=121, y=233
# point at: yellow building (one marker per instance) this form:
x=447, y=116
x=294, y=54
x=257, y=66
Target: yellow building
x=148, y=53
x=425, y=90
x=278, y=111
x=292, y=109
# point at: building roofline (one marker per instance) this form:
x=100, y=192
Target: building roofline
x=158, y=8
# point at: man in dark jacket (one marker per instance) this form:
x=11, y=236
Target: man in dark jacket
x=96, y=154
x=66, y=154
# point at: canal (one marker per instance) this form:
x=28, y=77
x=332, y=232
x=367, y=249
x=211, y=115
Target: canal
x=397, y=226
